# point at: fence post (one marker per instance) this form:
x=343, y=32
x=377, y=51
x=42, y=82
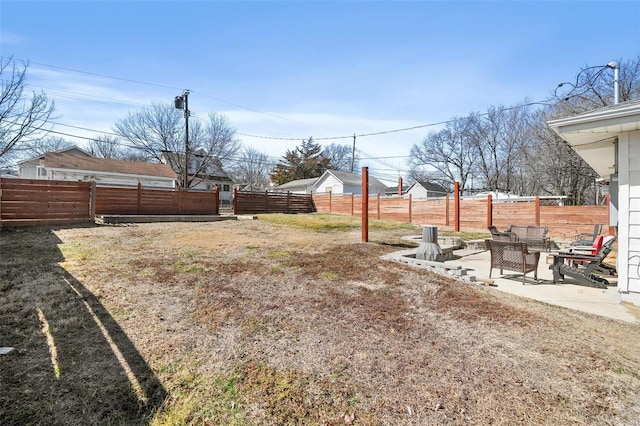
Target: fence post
x=456, y=207
x=607, y=202
x=330, y=200
x=489, y=210
x=378, y=204
x=446, y=210
x=288, y=201
x=92, y=202
x=139, y=201
x=352, y=201
x=537, y=207
x=179, y=200
x=365, y=204
x=235, y=200
x=266, y=202
x=217, y=201
x=410, y=208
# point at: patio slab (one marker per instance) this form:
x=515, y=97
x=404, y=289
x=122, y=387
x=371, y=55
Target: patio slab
x=603, y=302
x=475, y=261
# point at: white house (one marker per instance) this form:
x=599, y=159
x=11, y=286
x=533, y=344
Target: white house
x=421, y=190
x=205, y=178
x=77, y=165
x=298, y=186
x=609, y=141
x=338, y=182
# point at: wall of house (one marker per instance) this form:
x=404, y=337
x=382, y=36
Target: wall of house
x=330, y=183
x=226, y=189
x=111, y=179
x=418, y=192
x=29, y=170
x=629, y=218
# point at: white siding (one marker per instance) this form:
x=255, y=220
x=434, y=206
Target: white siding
x=104, y=179
x=329, y=182
x=418, y=192
x=629, y=225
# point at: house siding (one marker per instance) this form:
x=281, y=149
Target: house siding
x=329, y=182
x=418, y=192
x=629, y=223
x=104, y=179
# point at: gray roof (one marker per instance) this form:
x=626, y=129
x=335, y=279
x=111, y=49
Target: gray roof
x=432, y=187
x=297, y=183
x=355, y=179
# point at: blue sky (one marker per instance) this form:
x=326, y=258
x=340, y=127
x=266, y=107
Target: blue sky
x=298, y=69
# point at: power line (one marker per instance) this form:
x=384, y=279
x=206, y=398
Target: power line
x=173, y=88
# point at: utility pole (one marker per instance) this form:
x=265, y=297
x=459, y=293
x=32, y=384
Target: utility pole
x=353, y=153
x=182, y=102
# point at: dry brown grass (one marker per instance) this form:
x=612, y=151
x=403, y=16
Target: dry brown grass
x=256, y=323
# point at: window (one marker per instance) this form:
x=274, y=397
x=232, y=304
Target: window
x=226, y=188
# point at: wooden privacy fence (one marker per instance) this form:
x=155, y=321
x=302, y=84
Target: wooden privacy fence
x=469, y=214
x=40, y=202
x=155, y=201
x=47, y=202
x=271, y=202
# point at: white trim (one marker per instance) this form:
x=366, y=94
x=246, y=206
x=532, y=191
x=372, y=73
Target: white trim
x=107, y=173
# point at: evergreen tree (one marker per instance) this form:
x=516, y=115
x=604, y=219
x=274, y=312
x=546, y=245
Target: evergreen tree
x=304, y=162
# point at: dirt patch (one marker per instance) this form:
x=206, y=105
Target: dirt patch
x=257, y=323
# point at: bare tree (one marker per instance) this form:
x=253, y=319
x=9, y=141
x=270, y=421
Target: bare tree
x=341, y=157
x=251, y=170
x=448, y=152
x=38, y=147
x=158, y=132
x=105, y=146
x=21, y=118
x=593, y=87
x=500, y=138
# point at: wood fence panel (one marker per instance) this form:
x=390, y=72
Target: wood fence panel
x=521, y=213
x=429, y=212
x=116, y=200
x=198, y=203
x=473, y=214
x=157, y=201
x=396, y=209
x=43, y=202
x=272, y=202
x=568, y=221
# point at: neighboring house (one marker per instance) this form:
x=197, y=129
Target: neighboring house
x=338, y=182
x=32, y=168
x=608, y=139
x=421, y=190
x=299, y=186
x=77, y=165
x=205, y=178
x=393, y=190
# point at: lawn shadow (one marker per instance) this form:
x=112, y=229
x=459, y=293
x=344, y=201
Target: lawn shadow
x=72, y=363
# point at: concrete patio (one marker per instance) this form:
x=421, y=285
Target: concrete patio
x=476, y=262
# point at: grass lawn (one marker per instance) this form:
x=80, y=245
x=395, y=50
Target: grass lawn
x=286, y=320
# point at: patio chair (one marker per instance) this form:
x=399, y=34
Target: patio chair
x=502, y=236
x=584, y=268
x=585, y=239
x=513, y=256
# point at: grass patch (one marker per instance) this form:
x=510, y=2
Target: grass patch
x=322, y=222
x=313, y=328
